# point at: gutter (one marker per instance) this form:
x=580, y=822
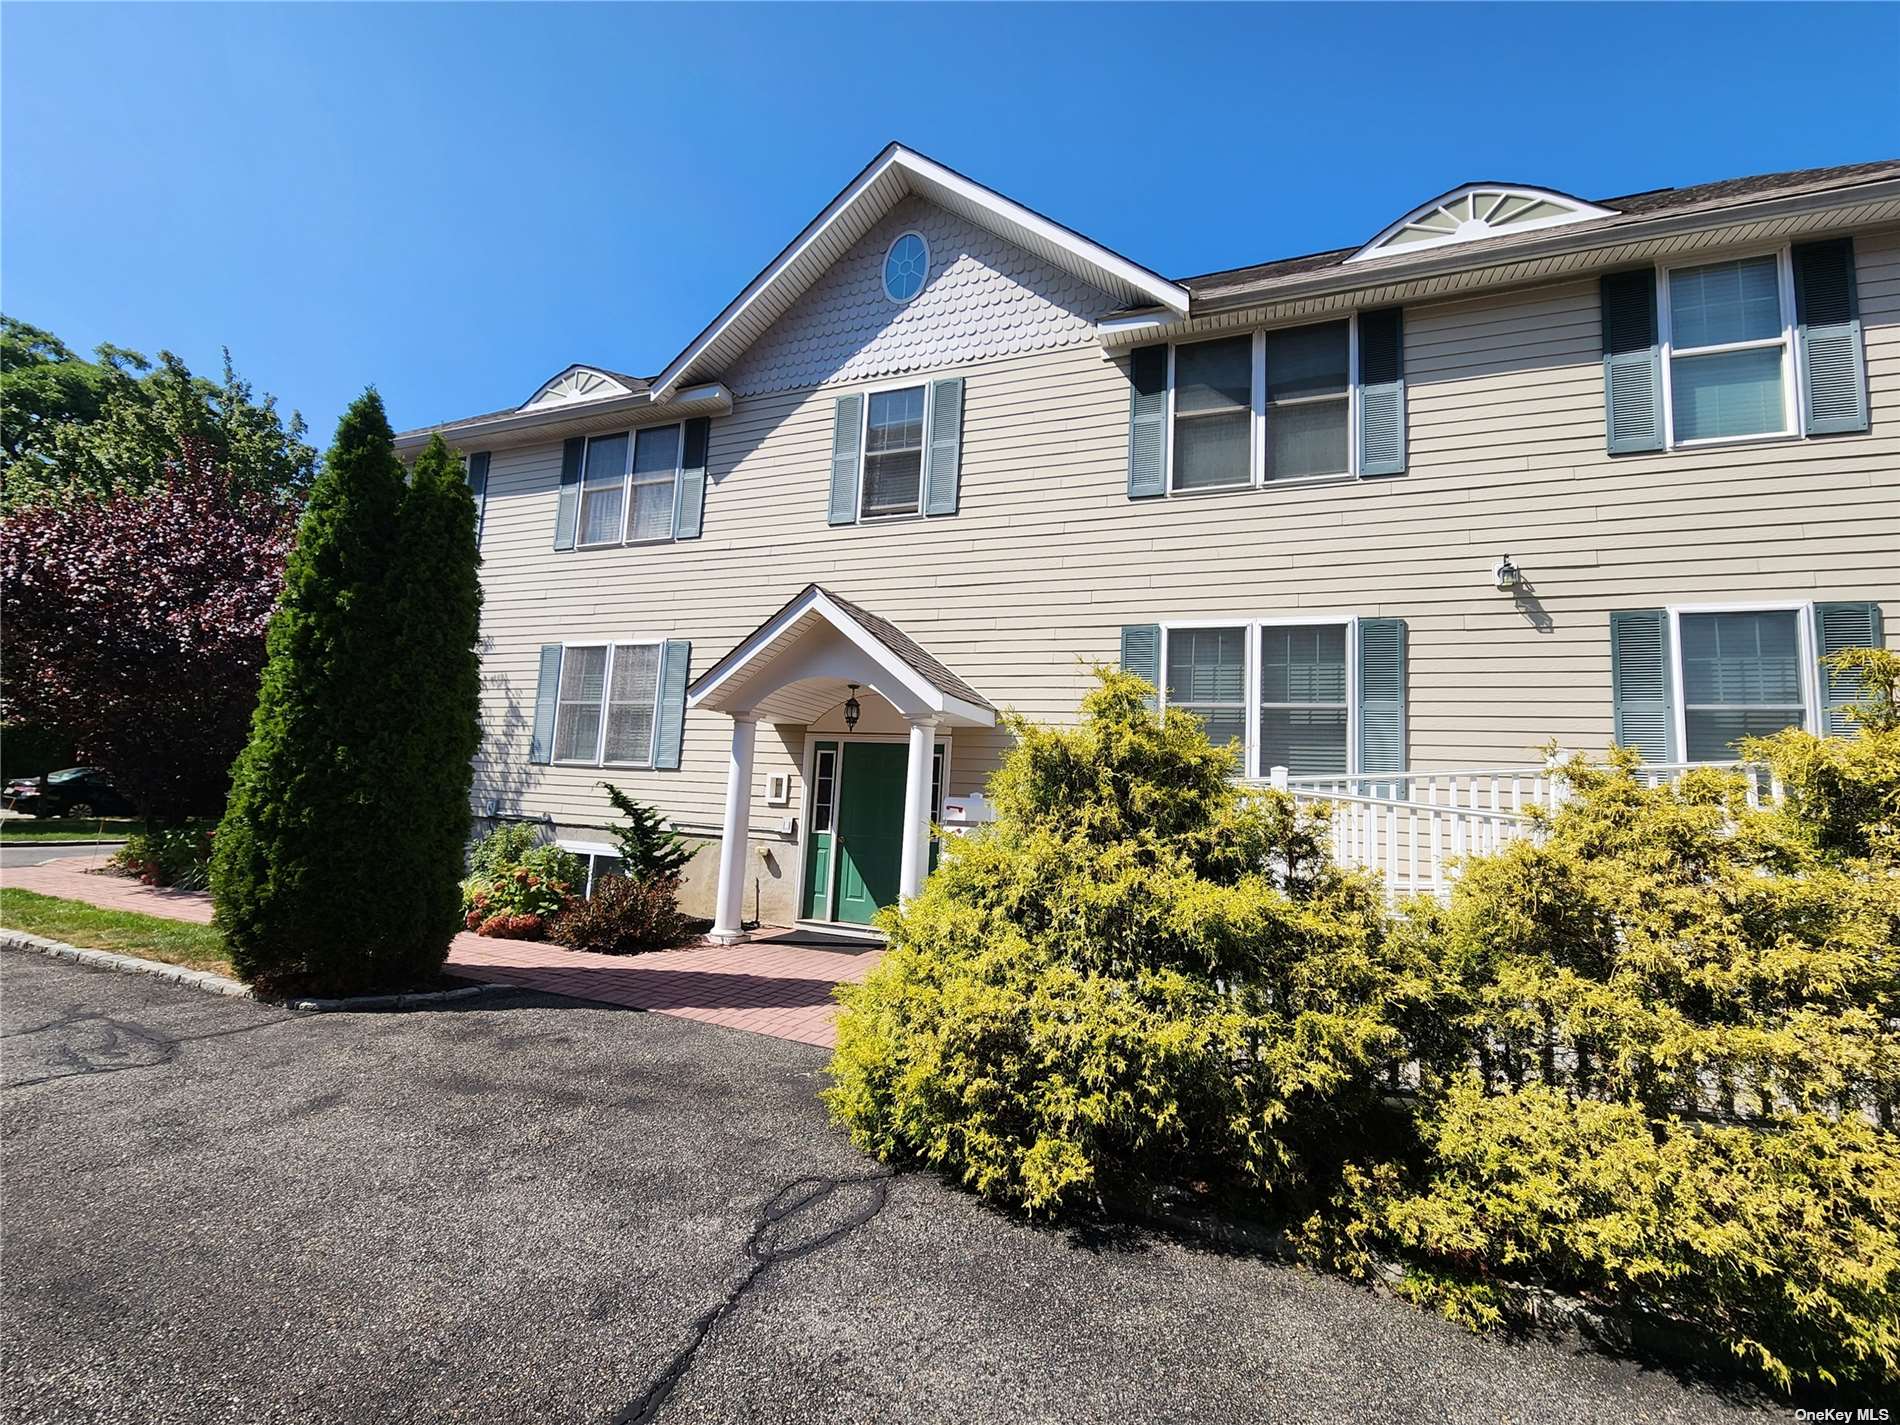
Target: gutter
x=712, y=398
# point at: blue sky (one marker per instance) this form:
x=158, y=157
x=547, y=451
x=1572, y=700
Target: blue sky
x=454, y=201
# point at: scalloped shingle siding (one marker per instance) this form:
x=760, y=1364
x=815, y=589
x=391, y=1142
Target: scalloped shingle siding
x=984, y=298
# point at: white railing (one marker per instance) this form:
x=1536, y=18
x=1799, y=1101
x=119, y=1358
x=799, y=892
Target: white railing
x=1410, y=830
x=1512, y=789
x=1413, y=847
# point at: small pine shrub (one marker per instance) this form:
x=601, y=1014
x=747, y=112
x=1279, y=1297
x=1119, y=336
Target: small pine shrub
x=649, y=848
x=623, y=917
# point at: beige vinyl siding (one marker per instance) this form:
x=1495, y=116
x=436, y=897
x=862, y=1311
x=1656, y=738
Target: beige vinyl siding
x=1047, y=557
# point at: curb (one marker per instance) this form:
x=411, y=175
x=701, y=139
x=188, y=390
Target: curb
x=223, y=985
x=126, y=964
x=25, y=842
x=365, y=1004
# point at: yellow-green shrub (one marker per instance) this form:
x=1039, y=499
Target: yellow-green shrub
x=1780, y=1242
x=1138, y=972
x=1671, y=948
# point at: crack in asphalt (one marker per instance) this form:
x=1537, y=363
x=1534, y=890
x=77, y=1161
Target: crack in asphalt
x=118, y=1039
x=782, y=1205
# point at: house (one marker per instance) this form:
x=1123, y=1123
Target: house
x=1522, y=468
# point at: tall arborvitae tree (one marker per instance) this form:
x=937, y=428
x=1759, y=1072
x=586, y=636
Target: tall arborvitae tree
x=438, y=598
x=306, y=889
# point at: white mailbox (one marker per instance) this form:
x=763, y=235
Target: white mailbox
x=962, y=813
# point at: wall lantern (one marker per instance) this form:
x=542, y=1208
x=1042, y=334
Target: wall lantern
x=851, y=709
x=1507, y=574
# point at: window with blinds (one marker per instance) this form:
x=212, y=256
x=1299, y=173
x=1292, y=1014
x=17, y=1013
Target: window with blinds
x=1303, y=692
x=603, y=490
x=577, y=712
x=604, y=712
x=1207, y=676
x=1741, y=677
x=893, y=453
x=656, y=463
x=1729, y=336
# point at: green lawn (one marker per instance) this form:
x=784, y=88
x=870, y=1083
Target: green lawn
x=66, y=828
x=150, y=937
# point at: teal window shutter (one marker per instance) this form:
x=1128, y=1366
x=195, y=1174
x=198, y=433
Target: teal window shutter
x=690, y=511
x=847, y=429
x=546, y=691
x=1640, y=685
x=1632, y=362
x=1381, y=695
x=567, y=512
x=669, y=717
x=1147, y=421
x=1838, y=626
x=1827, y=318
x=1382, y=392
x=946, y=447
x=1141, y=654
x=478, y=487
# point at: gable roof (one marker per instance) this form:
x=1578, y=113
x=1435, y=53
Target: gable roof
x=880, y=639
x=895, y=174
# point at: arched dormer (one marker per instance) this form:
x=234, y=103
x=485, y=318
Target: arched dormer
x=582, y=383
x=1477, y=211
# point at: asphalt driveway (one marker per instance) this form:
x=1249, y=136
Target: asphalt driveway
x=532, y=1209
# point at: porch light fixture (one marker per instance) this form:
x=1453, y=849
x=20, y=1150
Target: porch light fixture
x=851, y=709
x=1507, y=575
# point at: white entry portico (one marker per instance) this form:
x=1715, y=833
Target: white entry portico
x=801, y=664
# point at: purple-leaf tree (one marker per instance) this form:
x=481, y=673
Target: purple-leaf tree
x=136, y=625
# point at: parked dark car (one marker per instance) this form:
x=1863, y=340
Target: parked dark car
x=75, y=791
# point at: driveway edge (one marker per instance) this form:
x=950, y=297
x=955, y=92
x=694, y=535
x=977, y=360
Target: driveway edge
x=126, y=964
x=1621, y=1328
x=209, y=983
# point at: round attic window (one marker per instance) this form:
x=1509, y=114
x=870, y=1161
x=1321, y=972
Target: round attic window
x=906, y=263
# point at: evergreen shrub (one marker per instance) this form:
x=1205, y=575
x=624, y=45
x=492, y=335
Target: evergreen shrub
x=1139, y=973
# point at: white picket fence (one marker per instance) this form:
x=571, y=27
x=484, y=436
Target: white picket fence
x=1411, y=829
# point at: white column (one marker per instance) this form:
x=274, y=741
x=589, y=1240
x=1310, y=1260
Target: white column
x=732, y=849
x=923, y=740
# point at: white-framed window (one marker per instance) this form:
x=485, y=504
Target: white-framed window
x=906, y=267
x=630, y=486
x=824, y=788
x=1282, y=687
x=1727, y=333
x=1264, y=408
x=604, y=490
x=601, y=860
x=1742, y=670
x=604, y=707
x=891, y=473
x=1304, y=713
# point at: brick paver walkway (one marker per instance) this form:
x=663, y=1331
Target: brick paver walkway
x=780, y=990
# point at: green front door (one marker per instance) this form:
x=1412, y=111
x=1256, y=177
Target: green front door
x=870, y=842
